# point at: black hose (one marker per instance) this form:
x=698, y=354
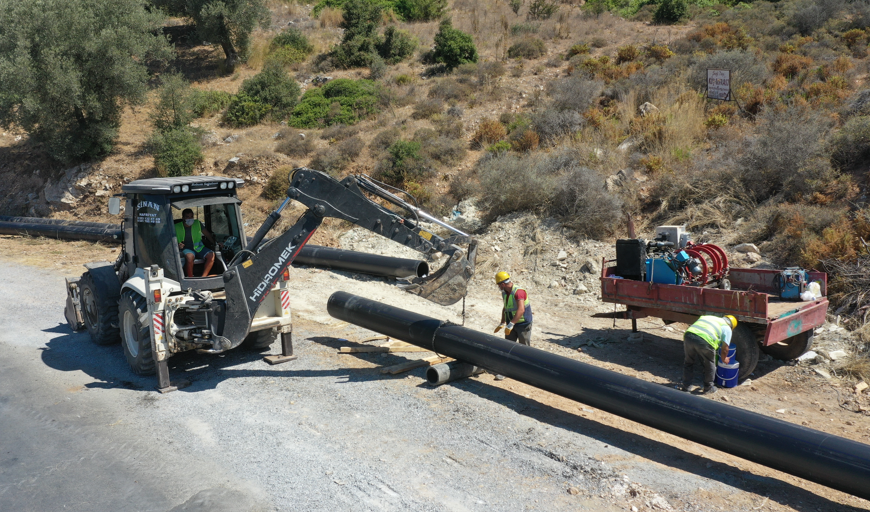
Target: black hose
x=817, y=456
x=56, y=222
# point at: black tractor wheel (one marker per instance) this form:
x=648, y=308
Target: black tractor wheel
x=136, y=333
x=747, y=350
x=261, y=340
x=790, y=348
x=99, y=312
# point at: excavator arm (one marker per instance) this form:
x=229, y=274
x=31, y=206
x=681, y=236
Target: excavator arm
x=252, y=275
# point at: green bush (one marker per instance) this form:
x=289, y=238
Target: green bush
x=176, y=152
x=342, y=100
x=671, y=11
x=244, y=110
x=293, y=38
x=502, y=146
x=397, y=45
x=285, y=57
x=404, y=162
x=421, y=10
x=273, y=87
x=278, y=183
x=524, y=28
x=453, y=47
x=542, y=9
x=209, y=103
x=528, y=48
x=360, y=40
x=175, y=104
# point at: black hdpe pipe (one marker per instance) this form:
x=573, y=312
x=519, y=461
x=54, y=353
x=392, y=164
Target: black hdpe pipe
x=443, y=373
x=313, y=255
x=108, y=233
x=806, y=453
x=57, y=222
x=361, y=262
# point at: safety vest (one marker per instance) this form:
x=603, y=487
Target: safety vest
x=195, y=234
x=511, y=306
x=711, y=329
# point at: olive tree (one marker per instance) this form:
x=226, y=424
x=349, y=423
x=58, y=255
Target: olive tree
x=228, y=23
x=68, y=68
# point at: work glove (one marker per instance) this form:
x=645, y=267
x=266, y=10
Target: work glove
x=508, y=328
x=498, y=328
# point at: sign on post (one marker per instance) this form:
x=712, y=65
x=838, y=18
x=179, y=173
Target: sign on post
x=719, y=84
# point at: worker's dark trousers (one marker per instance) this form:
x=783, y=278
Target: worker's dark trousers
x=698, y=350
x=521, y=334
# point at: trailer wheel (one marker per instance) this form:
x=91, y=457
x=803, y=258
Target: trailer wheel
x=747, y=350
x=100, y=313
x=261, y=340
x=136, y=334
x=790, y=348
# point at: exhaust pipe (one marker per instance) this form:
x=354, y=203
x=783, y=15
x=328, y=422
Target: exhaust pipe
x=823, y=458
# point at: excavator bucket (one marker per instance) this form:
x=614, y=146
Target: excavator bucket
x=449, y=284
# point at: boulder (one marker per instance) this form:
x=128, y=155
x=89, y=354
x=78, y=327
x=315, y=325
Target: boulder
x=746, y=248
x=562, y=256
x=67, y=191
x=590, y=266
x=647, y=109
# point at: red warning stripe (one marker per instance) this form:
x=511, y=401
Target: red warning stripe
x=158, y=324
x=285, y=299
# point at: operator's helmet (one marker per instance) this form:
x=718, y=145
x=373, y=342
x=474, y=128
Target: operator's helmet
x=501, y=277
x=732, y=319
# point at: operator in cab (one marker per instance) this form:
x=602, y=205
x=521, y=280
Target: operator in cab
x=189, y=233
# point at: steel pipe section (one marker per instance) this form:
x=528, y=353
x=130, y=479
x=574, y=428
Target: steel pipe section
x=361, y=262
x=806, y=453
x=443, y=373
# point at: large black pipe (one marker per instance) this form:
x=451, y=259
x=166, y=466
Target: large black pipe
x=58, y=222
x=109, y=233
x=340, y=259
x=816, y=456
x=312, y=255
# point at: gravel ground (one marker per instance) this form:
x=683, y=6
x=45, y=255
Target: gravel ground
x=328, y=431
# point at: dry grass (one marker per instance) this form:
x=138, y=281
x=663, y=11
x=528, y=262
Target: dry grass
x=330, y=18
x=67, y=257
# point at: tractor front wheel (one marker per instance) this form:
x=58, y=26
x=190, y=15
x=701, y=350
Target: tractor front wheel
x=136, y=333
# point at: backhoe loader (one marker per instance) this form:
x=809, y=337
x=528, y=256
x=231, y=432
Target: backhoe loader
x=145, y=300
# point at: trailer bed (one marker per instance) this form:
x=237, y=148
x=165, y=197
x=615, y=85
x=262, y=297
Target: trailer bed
x=753, y=298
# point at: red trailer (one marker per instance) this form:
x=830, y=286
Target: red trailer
x=783, y=329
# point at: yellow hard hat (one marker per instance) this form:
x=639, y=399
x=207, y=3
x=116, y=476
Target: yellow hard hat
x=733, y=320
x=501, y=277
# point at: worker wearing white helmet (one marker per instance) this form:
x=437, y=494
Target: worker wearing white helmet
x=702, y=340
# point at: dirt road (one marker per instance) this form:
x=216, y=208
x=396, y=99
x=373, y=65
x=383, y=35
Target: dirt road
x=79, y=431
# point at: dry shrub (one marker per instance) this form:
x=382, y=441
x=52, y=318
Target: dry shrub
x=551, y=125
x=854, y=36
x=851, y=145
x=450, y=89
x=659, y=52
x=295, y=143
x=575, y=93
x=449, y=126
x=527, y=48
x=511, y=183
x=528, y=141
x=785, y=231
x=787, y=154
x=278, y=183
x=331, y=18
x=829, y=92
x=428, y=109
x=335, y=158
x=385, y=139
x=339, y=132
x=489, y=132
x=627, y=53
x=789, y=64
x=584, y=205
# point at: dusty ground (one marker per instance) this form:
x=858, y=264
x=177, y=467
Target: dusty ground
x=563, y=325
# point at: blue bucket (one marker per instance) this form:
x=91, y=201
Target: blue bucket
x=726, y=374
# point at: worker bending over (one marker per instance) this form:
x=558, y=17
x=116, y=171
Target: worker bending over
x=701, y=341
x=516, y=315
